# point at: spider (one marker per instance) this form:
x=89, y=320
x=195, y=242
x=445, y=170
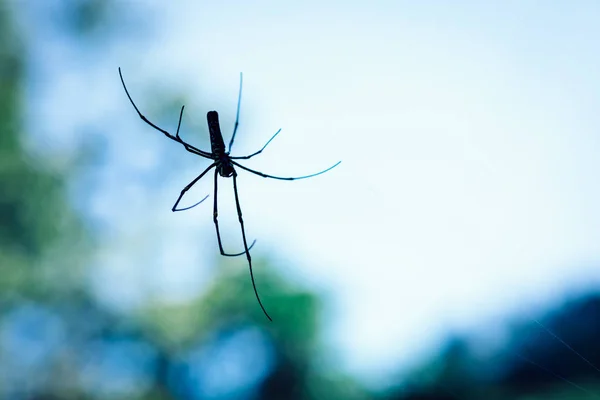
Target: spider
x=224, y=165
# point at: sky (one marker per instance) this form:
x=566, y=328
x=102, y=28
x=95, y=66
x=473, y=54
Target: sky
x=468, y=136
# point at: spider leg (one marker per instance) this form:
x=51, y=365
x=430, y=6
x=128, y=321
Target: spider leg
x=187, y=146
x=258, y=152
x=179, y=124
x=216, y=221
x=176, y=138
x=239, y=211
x=237, y=115
x=185, y=189
x=288, y=178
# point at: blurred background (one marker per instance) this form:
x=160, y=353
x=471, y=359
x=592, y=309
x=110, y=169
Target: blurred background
x=453, y=254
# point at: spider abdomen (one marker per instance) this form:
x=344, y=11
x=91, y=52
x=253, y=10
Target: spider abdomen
x=216, y=138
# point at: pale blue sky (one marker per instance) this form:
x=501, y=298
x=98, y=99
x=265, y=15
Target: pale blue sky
x=468, y=134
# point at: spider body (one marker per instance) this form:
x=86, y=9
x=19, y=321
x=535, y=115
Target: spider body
x=222, y=161
x=224, y=165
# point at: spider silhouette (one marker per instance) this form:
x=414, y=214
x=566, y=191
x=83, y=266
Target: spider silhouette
x=224, y=165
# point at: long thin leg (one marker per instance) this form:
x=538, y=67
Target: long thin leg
x=185, y=189
x=176, y=138
x=285, y=179
x=258, y=152
x=237, y=116
x=239, y=211
x=216, y=221
x=187, y=146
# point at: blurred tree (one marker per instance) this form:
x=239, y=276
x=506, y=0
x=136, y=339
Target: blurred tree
x=577, y=324
x=39, y=239
x=36, y=219
x=535, y=364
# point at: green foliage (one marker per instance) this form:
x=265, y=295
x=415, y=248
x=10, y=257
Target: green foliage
x=35, y=214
